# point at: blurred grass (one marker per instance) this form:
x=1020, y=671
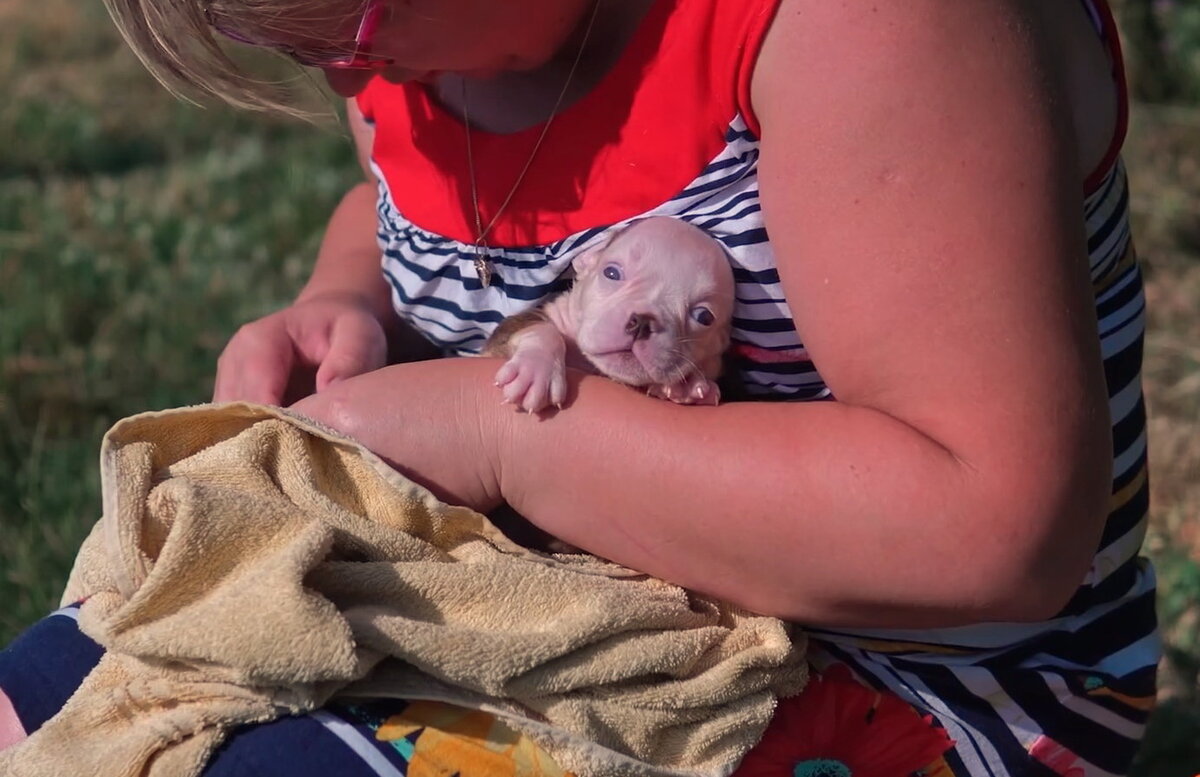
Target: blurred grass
x=1164, y=163
x=137, y=232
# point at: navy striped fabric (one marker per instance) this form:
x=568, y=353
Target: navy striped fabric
x=435, y=287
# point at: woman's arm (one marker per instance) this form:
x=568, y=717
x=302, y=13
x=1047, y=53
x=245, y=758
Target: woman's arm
x=342, y=323
x=925, y=205
x=348, y=259
x=924, y=201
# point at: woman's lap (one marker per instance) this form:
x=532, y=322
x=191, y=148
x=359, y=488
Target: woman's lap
x=44, y=666
x=48, y=662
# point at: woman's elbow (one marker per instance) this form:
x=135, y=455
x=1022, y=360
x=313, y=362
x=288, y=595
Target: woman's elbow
x=1048, y=558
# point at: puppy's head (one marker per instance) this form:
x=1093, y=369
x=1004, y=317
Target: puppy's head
x=654, y=303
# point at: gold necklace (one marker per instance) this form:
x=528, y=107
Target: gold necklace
x=483, y=267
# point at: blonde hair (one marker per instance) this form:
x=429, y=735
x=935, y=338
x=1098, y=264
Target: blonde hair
x=174, y=40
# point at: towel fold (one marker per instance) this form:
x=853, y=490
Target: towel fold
x=250, y=564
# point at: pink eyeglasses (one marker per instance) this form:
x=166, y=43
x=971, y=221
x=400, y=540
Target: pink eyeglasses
x=360, y=58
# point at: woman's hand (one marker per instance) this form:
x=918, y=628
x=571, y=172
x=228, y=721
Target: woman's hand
x=306, y=347
x=342, y=322
x=439, y=422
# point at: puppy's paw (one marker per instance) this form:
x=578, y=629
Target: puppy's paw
x=693, y=390
x=533, y=380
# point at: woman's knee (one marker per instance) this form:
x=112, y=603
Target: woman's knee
x=41, y=669
x=11, y=730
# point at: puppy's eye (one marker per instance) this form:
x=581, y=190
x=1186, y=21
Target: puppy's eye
x=703, y=316
x=612, y=272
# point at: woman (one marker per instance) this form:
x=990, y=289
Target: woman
x=926, y=216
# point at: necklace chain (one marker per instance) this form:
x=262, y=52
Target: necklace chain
x=483, y=267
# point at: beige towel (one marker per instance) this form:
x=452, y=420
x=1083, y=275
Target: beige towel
x=249, y=564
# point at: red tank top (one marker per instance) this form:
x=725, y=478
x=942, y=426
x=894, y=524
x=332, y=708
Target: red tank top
x=636, y=140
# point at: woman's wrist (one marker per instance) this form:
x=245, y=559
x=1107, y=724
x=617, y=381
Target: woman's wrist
x=435, y=422
x=348, y=270
x=366, y=289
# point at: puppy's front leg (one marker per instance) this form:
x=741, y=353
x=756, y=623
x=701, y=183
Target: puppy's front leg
x=535, y=375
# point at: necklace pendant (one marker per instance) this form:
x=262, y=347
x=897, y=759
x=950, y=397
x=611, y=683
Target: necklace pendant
x=483, y=269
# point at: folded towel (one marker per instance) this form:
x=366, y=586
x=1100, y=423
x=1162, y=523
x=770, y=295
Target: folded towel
x=250, y=564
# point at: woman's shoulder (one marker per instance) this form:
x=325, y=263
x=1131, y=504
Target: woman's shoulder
x=1058, y=59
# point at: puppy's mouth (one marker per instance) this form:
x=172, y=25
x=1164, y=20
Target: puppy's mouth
x=636, y=366
x=622, y=365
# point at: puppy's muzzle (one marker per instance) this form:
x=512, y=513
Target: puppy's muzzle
x=641, y=326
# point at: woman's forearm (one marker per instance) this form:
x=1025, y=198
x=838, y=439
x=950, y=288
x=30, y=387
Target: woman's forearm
x=348, y=259
x=820, y=512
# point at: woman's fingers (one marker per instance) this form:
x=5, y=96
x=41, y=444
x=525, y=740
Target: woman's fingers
x=300, y=350
x=257, y=364
x=356, y=345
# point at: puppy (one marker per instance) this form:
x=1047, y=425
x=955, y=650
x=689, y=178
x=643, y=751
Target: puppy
x=651, y=308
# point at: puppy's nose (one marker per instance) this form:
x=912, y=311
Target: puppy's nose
x=641, y=325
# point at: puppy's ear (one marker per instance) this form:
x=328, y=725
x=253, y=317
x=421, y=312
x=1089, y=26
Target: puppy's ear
x=585, y=262
x=588, y=260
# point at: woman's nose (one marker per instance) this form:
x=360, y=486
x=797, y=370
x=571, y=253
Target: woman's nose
x=347, y=83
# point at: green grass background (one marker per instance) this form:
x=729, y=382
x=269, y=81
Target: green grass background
x=137, y=232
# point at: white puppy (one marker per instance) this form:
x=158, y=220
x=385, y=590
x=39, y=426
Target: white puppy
x=650, y=308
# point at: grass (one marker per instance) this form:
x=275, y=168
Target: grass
x=137, y=232
x=1164, y=163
